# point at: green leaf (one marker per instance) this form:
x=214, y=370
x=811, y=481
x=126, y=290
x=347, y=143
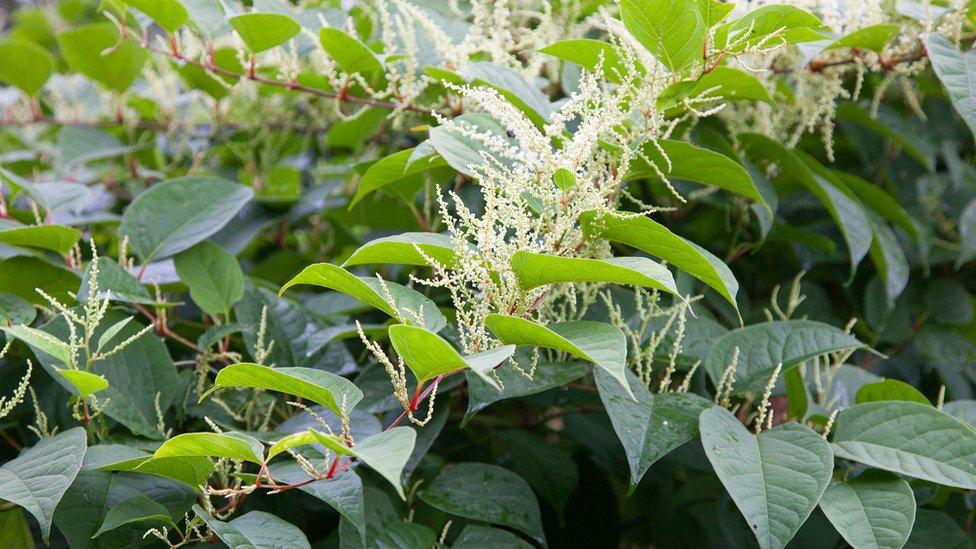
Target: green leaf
x=318, y=386
x=875, y=198
x=515, y=384
x=190, y=470
x=889, y=389
x=255, y=530
x=876, y=509
x=175, y=214
x=15, y=310
x=462, y=152
x=775, y=479
x=112, y=331
x=168, y=14
x=872, y=37
x=387, y=453
x=651, y=237
x=138, y=376
x=723, y=82
x=937, y=530
x=484, y=537
x=794, y=24
x=310, y=436
x=398, y=171
x=25, y=66
x=14, y=530
x=845, y=211
x=86, y=383
x=533, y=270
x=401, y=249
x=564, y=179
x=213, y=276
x=763, y=346
x=967, y=234
x=343, y=492
x=893, y=126
x=135, y=509
x=672, y=30
x=908, y=438
x=41, y=341
x=116, y=282
x=22, y=275
x=351, y=55
x=38, y=478
x=371, y=291
x=263, y=31
x=486, y=493
x=596, y=342
x=233, y=446
x=45, y=237
x=586, y=53
x=549, y=469
x=957, y=72
x=428, y=355
x=84, y=49
x=653, y=425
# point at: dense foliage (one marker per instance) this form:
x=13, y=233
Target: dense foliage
x=487, y=273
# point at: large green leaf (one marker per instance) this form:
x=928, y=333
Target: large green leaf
x=190, y=470
x=763, y=346
x=876, y=509
x=233, y=446
x=889, y=389
x=486, y=493
x=600, y=343
x=587, y=52
x=672, y=30
x=114, y=281
x=484, y=537
x=41, y=341
x=168, y=14
x=318, y=386
x=460, y=150
x=401, y=172
x=721, y=82
x=38, y=478
x=175, y=214
x=263, y=31
x=25, y=65
x=692, y=163
x=653, y=425
x=957, y=72
x=22, y=275
x=846, y=212
x=428, y=355
x=872, y=37
x=908, y=438
x=387, y=453
x=139, y=376
x=650, y=236
x=84, y=49
x=255, y=530
x=351, y=55
x=213, y=276
x=401, y=249
x=45, y=237
x=775, y=479
x=533, y=270
x=408, y=304
x=132, y=510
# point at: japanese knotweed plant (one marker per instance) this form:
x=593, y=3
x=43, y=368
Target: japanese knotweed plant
x=530, y=206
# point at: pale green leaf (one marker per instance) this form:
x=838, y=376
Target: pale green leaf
x=872, y=37
x=135, y=509
x=533, y=270
x=775, y=479
x=192, y=471
x=889, y=389
x=96, y=51
x=672, y=30
x=38, y=478
x=86, y=383
x=387, y=453
x=908, y=438
x=42, y=341
x=651, y=237
x=233, y=446
x=25, y=65
x=263, y=31
x=213, y=276
x=168, y=14
x=351, y=55
x=255, y=530
x=763, y=346
x=401, y=173
x=428, y=355
x=318, y=386
x=957, y=72
x=173, y=215
x=596, y=342
x=55, y=238
x=873, y=510
x=401, y=249
x=369, y=290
